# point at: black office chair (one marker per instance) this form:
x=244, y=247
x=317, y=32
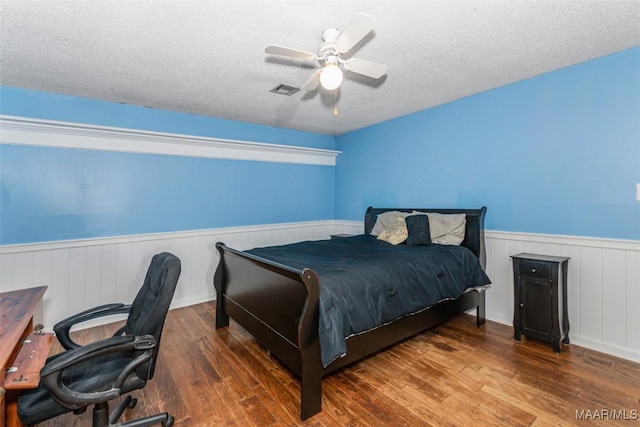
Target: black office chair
x=100, y=371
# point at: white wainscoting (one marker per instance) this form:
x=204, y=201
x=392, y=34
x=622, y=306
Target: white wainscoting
x=85, y=273
x=603, y=282
x=603, y=286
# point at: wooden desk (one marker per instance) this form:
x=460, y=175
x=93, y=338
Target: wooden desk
x=16, y=324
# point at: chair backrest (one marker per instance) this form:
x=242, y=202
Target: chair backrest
x=150, y=306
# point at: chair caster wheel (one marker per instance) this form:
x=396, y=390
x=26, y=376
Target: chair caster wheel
x=169, y=422
x=132, y=403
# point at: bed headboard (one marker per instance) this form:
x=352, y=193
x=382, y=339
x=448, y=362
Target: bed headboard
x=474, y=231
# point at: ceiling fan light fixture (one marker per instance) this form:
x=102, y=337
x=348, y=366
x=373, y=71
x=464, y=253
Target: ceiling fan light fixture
x=335, y=44
x=331, y=77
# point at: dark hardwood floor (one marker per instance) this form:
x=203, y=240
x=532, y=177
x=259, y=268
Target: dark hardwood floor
x=453, y=375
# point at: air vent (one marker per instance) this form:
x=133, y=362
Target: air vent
x=286, y=90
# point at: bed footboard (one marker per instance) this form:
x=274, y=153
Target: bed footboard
x=278, y=305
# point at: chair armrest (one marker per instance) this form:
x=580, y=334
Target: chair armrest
x=51, y=374
x=63, y=327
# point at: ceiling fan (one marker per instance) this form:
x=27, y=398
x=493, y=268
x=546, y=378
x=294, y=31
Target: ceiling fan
x=335, y=44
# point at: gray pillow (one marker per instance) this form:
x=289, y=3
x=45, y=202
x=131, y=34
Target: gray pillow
x=447, y=229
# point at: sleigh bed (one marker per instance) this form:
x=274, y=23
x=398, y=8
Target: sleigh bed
x=294, y=299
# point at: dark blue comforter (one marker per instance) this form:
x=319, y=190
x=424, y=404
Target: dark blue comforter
x=366, y=283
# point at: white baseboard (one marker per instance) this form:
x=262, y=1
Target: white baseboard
x=600, y=346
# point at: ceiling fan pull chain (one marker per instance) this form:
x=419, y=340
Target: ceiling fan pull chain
x=335, y=102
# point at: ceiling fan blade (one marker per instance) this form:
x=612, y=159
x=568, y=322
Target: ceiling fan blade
x=287, y=51
x=371, y=69
x=359, y=27
x=313, y=82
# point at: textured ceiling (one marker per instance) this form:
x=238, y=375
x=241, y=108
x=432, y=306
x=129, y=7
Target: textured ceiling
x=207, y=57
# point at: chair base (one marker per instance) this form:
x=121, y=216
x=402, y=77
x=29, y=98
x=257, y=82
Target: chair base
x=102, y=418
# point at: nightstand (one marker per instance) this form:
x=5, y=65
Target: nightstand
x=540, y=298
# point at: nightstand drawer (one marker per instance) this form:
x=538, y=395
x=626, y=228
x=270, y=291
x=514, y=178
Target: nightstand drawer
x=535, y=270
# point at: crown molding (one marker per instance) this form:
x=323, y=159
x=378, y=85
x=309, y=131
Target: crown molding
x=49, y=133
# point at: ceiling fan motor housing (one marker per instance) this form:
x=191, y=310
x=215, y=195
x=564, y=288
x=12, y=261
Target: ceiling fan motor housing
x=328, y=48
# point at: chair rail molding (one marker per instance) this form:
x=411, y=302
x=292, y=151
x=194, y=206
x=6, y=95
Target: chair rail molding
x=49, y=133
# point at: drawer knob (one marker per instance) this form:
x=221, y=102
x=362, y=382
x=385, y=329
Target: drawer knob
x=533, y=270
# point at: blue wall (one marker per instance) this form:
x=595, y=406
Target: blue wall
x=49, y=194
x=555, y=154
